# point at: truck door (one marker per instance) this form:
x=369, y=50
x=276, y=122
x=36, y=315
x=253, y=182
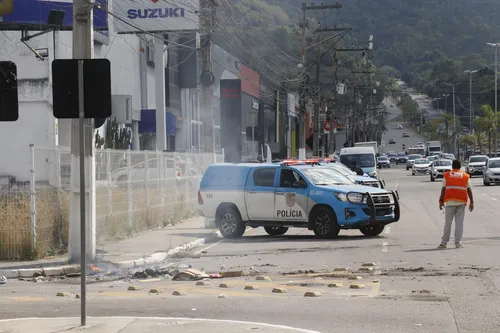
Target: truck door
x=259, y=194
x=291, y=197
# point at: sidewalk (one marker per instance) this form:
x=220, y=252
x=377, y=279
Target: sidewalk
x=146, y=248
x=155, y=244
x=139, y=324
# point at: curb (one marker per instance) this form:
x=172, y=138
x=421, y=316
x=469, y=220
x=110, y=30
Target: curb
x=69, y=269
x=47, y=271
x=159, y=257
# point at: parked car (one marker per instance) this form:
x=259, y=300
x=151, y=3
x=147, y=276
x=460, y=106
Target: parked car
x=399, y=127
x=392, y=105
x=392, y=141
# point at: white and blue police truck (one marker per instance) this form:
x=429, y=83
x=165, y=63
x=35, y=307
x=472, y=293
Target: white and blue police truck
x=292, y=195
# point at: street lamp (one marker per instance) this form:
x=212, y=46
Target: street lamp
x=454, y=115
x=495, y=45
x=471, y=124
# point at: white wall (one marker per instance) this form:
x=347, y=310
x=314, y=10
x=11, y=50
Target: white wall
x=36, y=123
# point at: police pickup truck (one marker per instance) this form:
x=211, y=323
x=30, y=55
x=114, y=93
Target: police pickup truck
x=292, y=194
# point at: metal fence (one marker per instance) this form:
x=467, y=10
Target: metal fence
x=135, y=190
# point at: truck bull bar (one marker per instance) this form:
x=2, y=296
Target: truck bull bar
x=373, y=207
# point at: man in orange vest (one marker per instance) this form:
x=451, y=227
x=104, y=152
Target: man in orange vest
x=455, y=193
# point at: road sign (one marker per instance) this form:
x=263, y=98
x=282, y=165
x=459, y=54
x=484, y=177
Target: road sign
x=9, y=105
x=96, y=88
x=326, y=125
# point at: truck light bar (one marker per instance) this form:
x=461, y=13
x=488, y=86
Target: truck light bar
x=299, y=162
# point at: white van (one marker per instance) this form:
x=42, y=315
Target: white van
x=363, y=157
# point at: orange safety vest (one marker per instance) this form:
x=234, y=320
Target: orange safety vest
x=456, y=186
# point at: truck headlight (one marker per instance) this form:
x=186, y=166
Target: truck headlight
x=356, y=198
x=352, y=197
x=341, y=197
x=489, y=173
x=372, y=174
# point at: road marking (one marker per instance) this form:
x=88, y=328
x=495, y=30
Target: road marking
x=387, y=230
x=221, y=321
x=208, y=247
x=221, y=241
x=493, y=198
x=384, y=247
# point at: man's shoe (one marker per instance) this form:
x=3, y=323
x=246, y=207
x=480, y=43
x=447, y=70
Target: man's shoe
x=459, y=246
x=441, y=246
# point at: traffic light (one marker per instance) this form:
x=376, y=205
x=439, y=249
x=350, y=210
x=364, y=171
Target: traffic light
x=9, y=105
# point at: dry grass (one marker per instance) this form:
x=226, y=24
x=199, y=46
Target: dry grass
x=113, y=221
x=16, y=238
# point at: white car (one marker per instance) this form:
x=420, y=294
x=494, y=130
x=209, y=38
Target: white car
x=476, y=165
x=438, y=168
x=411, y=159
x=492, y=171
x=422, y=165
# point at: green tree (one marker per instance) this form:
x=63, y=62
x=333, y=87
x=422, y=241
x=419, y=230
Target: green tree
x=486, y=124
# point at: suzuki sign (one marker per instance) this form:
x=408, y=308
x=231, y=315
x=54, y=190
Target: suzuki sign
x=133, y=16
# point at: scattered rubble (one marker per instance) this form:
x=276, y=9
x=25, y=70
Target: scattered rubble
x=190, y=274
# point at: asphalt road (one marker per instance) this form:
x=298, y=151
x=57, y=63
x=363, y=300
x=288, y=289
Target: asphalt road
x=393, y=132
x=415, y=288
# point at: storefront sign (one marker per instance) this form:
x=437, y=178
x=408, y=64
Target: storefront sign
x=155, y=15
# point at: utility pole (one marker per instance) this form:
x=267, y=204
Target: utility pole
x=454, y=123
x=302, y=138
x=83, y=42
x=302, y=87
x=207, y=21
x=317, y=106
x=471, y=123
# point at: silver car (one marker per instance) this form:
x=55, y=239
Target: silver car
x=476, y=164
x=492, y=171
x=411, y=159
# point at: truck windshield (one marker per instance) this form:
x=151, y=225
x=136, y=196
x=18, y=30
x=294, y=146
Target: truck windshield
x=478, y=159
x=325, y=176
x=434, y=148
x=343, y=169
x=361, y=160
x=494, y=164
x=442, y=163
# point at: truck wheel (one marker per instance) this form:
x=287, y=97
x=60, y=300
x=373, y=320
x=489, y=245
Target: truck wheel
x=372, y=230
x=485, y=183
x=433, y=179
x=231, y=225
x=276, y=231
x=325, y=223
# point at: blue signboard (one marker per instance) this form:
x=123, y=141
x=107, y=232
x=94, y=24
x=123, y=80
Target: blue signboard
x=148, y=122
x=33, y=14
